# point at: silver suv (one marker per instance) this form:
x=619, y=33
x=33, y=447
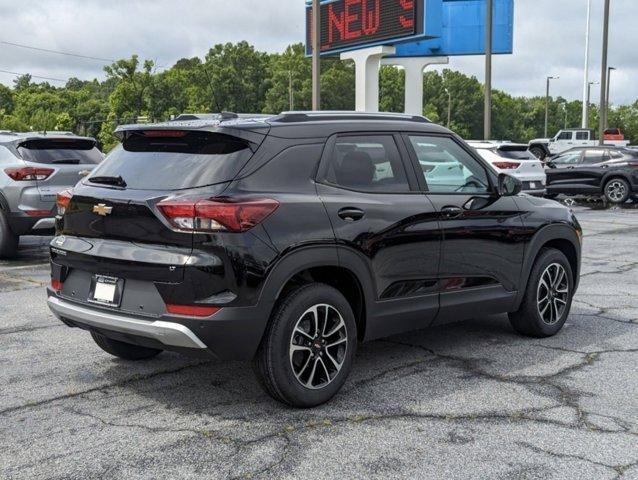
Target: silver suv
x=34, y=167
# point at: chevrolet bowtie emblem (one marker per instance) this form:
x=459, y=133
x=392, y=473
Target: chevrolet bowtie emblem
x=102, y=209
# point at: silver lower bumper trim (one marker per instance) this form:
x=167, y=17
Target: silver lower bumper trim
x=168, y=333
x=44, y=224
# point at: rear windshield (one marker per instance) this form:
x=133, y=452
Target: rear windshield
x=177, y=160
x=60, y=151
x=515, y=153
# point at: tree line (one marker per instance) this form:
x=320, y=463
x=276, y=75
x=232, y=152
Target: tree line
x=239, y=78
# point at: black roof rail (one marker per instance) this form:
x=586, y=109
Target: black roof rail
x=296, y=117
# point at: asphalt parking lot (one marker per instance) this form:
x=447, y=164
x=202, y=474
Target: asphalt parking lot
x=469, y=400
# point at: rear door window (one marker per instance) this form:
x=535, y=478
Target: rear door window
x=175, y=160
x=582, y=135
x=368, y=164
x=594, y=156
x=60, y=152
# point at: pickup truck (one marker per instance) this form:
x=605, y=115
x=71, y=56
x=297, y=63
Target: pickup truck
x=569, y=138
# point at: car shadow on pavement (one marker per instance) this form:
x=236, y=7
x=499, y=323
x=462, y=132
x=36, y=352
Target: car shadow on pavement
x=400, y=373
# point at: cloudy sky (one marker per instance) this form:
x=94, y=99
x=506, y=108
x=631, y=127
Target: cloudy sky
x=549, y=38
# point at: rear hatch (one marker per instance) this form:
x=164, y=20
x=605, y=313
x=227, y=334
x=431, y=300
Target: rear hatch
x=115, y=208
x=518, y=159
x=64, y=160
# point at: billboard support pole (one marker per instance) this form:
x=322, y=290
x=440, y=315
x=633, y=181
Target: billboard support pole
x=487, y=121
x=367, y=62
x=316, y=55
x=585, y=122
x=414, y=67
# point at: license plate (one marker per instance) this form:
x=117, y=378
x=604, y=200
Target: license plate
x=106, y=290
x=532, y=185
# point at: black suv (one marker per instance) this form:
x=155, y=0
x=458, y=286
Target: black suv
x=608, y=171
x=288, y=240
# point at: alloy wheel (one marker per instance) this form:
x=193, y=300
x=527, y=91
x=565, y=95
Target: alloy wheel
x=552, y=293
x=318, y=346
x=616, y=191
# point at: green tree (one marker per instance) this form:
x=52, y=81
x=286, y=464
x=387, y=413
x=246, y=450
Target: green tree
x=6, y=99
x=289, y=81
x=391, y=89
x=237, y=77
x=234, y=78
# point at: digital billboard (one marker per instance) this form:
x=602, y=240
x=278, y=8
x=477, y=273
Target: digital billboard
x=351, y=24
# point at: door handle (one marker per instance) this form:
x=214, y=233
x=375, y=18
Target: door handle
x=451, y=212
x=351, y=214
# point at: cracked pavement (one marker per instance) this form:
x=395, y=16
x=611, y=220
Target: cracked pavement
x=468, y=400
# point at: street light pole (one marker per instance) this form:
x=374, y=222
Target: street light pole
x=316, y=55
x=609, y=69
x=585, y=117
x=547, y=103
x=565, y=110
x=449, y=106
x=587, y=102
x=487, y=116
x=602, y=121
x=291, y=101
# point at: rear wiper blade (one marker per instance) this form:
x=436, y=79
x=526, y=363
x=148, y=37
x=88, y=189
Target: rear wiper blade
x=117, y=181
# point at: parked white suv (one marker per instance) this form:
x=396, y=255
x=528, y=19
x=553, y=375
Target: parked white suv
x=515, y=160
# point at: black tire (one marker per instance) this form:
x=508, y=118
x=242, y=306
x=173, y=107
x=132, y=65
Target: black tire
x=528, y=320
x=123, y=350
x=538, y=152
x=617, y=190
x=278, y=369
x=8, y=240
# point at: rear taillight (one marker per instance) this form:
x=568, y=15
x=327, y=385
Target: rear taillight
x=506, y=165
x=633, y=163
x=192, y=310
x=56, y=285
x=38, y=213
x=217, y=214
x=164, y=133
x=28, y=173
x=63, y=200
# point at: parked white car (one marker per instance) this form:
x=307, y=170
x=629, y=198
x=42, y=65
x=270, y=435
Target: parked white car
x=515, y=160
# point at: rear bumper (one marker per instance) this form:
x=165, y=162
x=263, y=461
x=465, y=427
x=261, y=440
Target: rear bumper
x=231, y=334
x=167, y=333
x=22, y=224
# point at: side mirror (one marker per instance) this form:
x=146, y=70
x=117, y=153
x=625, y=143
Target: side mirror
x=508, y=186
x=550, y=164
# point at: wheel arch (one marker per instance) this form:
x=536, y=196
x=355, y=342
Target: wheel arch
x=562, y=237
x=332, y=265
